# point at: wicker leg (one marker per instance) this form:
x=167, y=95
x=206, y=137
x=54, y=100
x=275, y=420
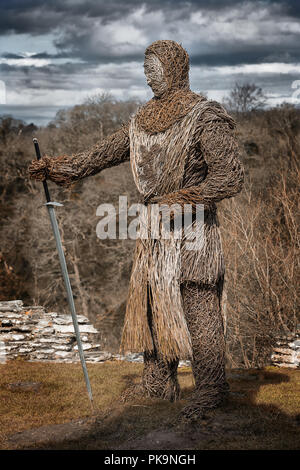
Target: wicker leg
x=159, y=378
x=159, y=375
x=202, y=307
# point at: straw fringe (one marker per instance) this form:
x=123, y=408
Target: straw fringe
x=156, y=266
x=136, y=332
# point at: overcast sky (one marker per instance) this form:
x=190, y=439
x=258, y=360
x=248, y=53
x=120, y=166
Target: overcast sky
x=56, y=53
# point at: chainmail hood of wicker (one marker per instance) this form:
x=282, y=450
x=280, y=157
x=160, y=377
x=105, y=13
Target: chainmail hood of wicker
x=177, y=100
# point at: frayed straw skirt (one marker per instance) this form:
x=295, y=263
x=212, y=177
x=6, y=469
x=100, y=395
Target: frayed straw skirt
x=162, y=265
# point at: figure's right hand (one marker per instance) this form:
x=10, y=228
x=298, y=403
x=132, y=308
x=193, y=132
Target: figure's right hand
x=38, y=169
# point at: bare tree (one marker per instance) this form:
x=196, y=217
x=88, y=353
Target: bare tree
x=245, y=97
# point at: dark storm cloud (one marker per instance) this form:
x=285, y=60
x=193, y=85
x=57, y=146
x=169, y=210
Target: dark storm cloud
x=41, y=17
x=80, y=47
x=247, y=55
x=75, y=25
x=12, y=56
x=36, y=17
x=53, y=76
x=36, y=114
x=293, y=7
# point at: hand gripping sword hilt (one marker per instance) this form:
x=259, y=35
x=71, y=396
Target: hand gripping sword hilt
x=38, y=156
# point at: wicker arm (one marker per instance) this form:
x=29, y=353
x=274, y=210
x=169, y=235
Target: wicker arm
x=225, y=174
x=64, y=170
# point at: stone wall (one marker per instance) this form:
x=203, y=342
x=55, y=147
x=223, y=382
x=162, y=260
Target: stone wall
x=36, y=335
x=33, y=334
x=287, y=352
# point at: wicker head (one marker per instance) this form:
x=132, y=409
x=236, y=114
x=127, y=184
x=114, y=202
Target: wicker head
x=177, y=99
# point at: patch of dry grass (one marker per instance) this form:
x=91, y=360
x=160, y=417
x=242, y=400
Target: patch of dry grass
x=62, y=396
x=262, y=413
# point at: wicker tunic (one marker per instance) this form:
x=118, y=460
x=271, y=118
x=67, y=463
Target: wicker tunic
x=194, y=161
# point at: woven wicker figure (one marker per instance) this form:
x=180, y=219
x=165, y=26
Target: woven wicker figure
x=182, y=150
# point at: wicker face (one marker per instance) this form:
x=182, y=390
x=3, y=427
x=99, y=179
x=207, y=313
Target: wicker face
x=167, y=71
x=175, y=62
x=154, y=72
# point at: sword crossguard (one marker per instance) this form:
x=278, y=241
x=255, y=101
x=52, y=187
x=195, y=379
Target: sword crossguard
x=53, y=203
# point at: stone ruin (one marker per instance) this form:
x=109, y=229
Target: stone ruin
x=33, y=334
x=287, y=352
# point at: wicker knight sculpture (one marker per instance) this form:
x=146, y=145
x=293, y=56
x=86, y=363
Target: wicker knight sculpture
x=182, y=150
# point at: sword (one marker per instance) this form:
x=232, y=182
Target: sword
x=50, y=206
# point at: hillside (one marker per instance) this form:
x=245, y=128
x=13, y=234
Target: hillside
x=260, y=228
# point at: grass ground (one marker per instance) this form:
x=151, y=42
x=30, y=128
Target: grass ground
x=262, y=412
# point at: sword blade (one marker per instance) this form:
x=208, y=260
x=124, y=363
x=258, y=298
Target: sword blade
x=66, y=279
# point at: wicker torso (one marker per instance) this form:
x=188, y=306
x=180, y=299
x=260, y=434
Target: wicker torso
x=172, y=160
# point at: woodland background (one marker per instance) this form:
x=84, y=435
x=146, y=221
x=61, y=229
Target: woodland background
x=260, y=227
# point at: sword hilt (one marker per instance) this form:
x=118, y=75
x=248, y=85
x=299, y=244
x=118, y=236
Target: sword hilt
x=38, y=156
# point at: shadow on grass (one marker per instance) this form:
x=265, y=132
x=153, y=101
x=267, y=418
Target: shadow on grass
x=250, y=420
